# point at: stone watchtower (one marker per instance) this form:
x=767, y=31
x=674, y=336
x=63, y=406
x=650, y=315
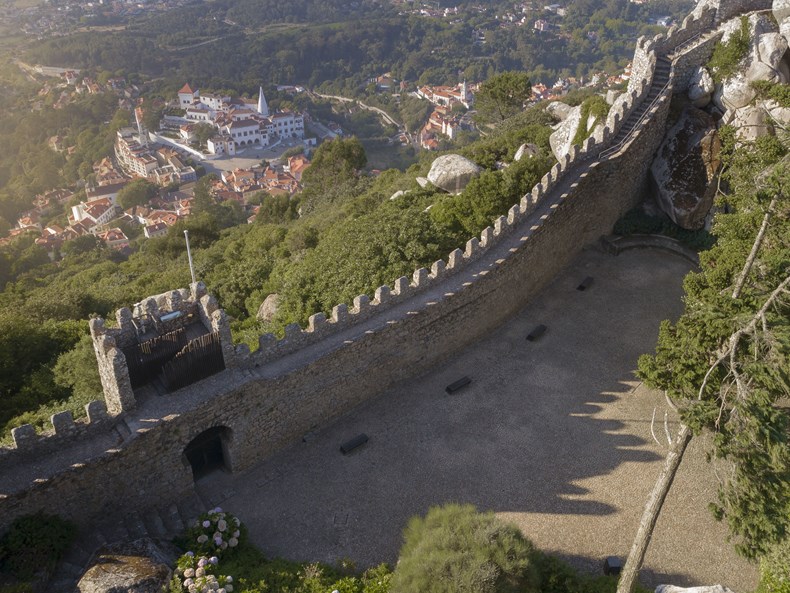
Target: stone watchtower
x=163, y=343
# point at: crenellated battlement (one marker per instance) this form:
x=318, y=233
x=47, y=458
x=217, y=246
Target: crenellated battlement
x=63, y=429
x=288, y=385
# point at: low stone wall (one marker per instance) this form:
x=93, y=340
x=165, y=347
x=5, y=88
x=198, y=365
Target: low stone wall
x=616, y=244
x=65, y=430
x=688, y=62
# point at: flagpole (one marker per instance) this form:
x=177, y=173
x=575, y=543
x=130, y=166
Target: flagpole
x=189, y=256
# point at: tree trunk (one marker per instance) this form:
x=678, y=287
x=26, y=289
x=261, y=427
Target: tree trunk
x=736, y=293
x=652, y=509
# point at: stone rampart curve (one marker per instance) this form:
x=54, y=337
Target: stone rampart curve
x=561, y=190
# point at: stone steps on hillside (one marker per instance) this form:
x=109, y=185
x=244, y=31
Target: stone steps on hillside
x=660, y=79
x=161, y=524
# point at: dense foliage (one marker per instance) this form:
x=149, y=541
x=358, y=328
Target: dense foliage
x=503, y=96
x=33, y=546
x=775, y=570
x=28, y=166
x=235, y=46
x=725, y=363
x=727, y=56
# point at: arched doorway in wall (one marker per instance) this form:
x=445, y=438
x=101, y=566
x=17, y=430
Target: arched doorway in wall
x=209, y=451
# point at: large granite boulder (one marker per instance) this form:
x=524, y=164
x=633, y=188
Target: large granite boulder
x=701, y=87
x=734, y=93
x=137, y=567
x=776, y=113
x=559, y=110
x=781, y=12
x=751, y=122
x=685, y=168
x=703, y=589
x=452, y=172
x=268, y=308
x=766, y=59
x=561, y=138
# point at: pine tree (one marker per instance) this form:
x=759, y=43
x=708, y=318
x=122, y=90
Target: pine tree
x=725, y=364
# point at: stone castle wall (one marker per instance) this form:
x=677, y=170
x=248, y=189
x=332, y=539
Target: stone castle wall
x=266, y=414
x=420, y=321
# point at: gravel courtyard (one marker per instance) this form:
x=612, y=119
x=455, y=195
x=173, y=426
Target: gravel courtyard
x=553, y=435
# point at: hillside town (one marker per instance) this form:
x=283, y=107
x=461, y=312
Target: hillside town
x=238, y=123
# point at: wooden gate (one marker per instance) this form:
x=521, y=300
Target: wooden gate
x=145, y=360
x=197, y=360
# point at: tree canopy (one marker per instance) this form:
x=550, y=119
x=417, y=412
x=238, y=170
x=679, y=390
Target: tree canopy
x=503, y=96
x=138, y=193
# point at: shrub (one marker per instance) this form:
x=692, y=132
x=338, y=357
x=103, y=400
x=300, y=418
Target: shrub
x=727, y=56
x=771, y=90
x=455, y=549
x=595, y=106
x=775, y=570
x=35, y=544
x=213, y=533
x=198, y=574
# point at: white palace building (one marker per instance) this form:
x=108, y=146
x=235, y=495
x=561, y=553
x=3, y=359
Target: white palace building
x=239, y=122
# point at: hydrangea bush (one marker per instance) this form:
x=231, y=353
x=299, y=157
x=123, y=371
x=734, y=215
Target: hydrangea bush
x=219, y=545
x=210, y=536
x=214, y=532
x=197, y=574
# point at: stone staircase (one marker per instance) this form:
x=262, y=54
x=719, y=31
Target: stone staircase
x=156, y=523
x=122, y=430
x=660, y=80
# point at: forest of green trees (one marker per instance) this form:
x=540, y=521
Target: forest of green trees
x=317, y=42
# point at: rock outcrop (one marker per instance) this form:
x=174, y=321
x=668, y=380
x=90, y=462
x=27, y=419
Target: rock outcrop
x=561, y=139
x=559, y=110
x=701, y=87
x=685, y=169
x=137, y=567
x=703, y=589
x=452, y=173
x=268, y=308
x=781, y=12
x=768, y=60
